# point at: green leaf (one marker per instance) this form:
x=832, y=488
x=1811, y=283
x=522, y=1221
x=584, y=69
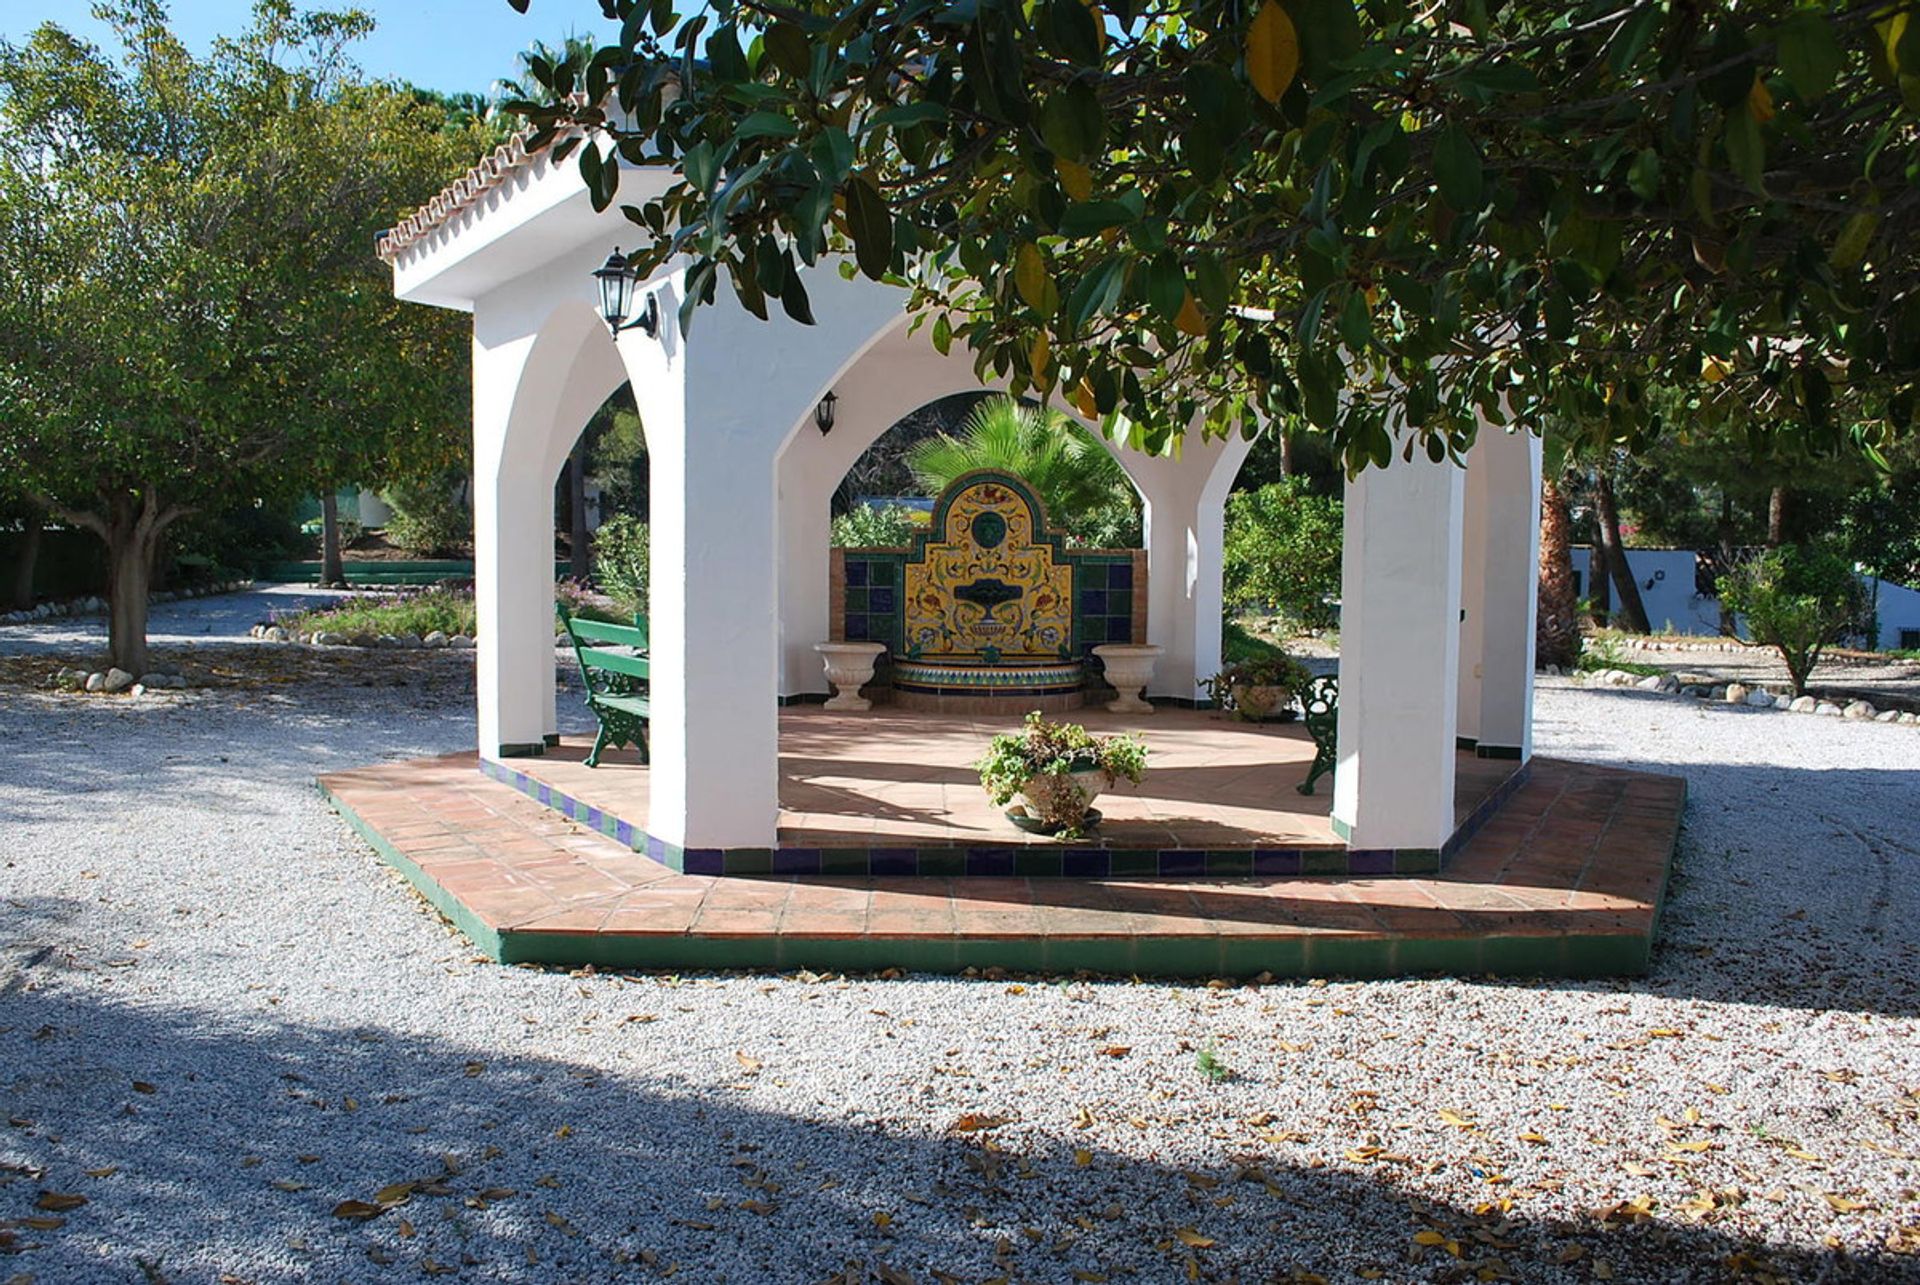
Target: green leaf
x=1356, y=323
x=1090, y=217
x=1329, y=34
x=1030, y=277
x=1072, y=122
x=832, y=154
x=1633, y=35
x=1073, y=32
x=1456, y=163
x=1746, y=151
x=700, y=165
x=1850, y=247
x=870, y=223
x=909, y=114
x=1644, y=176
x=793, y=298
x=1809, y=54
x=1166, y=286
x=766, y=125
x=787, y=46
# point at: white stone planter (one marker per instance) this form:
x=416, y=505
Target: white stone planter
x=849, y=668
x=1129, y=669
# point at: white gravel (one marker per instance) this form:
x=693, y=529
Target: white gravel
x=220, y=1018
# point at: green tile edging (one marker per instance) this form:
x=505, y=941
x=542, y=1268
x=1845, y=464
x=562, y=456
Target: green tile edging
x=489, y=940
x=1571, y=955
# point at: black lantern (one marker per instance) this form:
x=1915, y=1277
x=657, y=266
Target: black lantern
x=616, y=278
x=823, y=413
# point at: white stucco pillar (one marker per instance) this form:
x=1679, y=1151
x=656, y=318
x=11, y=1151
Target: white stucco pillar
x=1502, y=601
x=1473, y=579
x=721, y=406
x=512, y=548
x=1399, y=656
x=1184, y=499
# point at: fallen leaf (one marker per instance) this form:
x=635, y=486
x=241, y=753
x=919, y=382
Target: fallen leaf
x=141, y=1086
x=395, y=1193
x=358, y=1210
x=1117, y=1050
x=288, y=1184
x=750, y=1064
x=1456, y=1119
x=976, y=1122
x=59, y=1202
x=1083, y=1157
x=1192, y=1239
x=761, y=1207
x=1845, y=1206
x=105, y=1172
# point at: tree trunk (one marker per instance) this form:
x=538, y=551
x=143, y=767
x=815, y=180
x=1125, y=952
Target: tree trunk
x=1557, y=632
x=1288, y=466
x=1777, y=517
x=26, y=558
x=582, y=563
x=129, y=581
x=333, y=573
x=1726, y=560
x=1599, y=587
x=1633, y=613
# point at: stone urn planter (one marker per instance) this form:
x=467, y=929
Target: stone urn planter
x=1062, y=802
x=1260, y=702
x=849, y=668
x=1057, y=770
x=1129, y=668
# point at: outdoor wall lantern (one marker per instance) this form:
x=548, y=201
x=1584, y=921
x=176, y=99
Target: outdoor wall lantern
x=617, y=281
x=823, y=413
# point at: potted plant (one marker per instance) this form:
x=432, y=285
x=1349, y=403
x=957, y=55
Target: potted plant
x=1058, y=770
x=1260, y=687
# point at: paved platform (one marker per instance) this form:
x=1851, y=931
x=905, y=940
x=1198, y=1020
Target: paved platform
x=896, y=793
x=1566, y=878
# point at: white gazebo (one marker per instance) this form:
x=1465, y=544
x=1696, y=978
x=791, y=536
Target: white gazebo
x=1438, y=599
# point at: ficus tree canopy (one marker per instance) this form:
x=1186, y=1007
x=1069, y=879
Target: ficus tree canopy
x=191, y=314
x=1383, y=219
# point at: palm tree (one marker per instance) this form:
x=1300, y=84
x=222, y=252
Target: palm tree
x=1557, y=630
x=1084, y=489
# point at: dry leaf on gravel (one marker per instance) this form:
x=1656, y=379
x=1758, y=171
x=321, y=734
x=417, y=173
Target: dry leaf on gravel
x=59, y=1202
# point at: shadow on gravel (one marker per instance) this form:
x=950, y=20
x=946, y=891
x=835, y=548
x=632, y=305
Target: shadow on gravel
x=224, y=1152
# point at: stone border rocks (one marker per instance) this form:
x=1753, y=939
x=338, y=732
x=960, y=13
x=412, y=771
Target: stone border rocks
x=327, y=638
x=1702, y=687
x=94, y=605
x=113, y=681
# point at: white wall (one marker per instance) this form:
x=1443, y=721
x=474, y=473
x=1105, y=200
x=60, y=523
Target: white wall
x=1666, y=580
x=1898, y=608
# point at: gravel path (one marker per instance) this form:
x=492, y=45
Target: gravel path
x=221, y=1018
x=224, y=618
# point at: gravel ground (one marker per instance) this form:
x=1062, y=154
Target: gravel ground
x=221, y=1019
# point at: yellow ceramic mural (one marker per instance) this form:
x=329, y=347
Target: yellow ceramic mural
x=986, y=587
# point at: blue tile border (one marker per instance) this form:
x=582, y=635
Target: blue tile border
x=1083, y=861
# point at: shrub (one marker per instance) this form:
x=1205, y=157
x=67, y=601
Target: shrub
x=870, y=526
x=620, y=562
x=1796, y=601
x=428, y=518
x=1283, y=552
x=1053, y=752
x=363, y=617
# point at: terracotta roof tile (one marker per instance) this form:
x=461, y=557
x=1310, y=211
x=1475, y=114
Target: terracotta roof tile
x=494, y=170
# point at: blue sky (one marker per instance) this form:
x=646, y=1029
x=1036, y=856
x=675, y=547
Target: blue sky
x=449, y=45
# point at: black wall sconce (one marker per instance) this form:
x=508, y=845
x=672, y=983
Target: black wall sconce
x=823, y=413
x=617, y=281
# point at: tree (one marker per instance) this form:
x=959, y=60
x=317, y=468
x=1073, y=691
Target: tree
x=1371, y=215
x=1084, y=489
x=189, y=311
x=1282, y=550
x=1796, y=600
x=1556, y=627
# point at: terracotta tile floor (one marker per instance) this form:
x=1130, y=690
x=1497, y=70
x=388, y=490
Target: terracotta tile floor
x=1566, y=878
x=889, y=778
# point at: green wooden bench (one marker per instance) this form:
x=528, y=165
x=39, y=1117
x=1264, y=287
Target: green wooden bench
x=1320, y=705
x=616, y=680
